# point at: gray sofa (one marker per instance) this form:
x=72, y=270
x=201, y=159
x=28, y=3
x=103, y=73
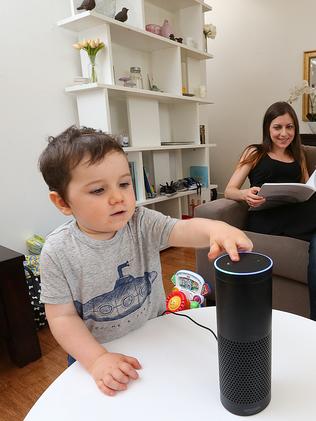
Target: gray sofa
x=290, y=256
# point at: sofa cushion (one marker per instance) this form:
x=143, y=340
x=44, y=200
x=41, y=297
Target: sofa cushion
x=310, y=154
x=289, y=255
x=226, y=210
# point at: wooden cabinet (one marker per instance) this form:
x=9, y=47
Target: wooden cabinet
x=16, y=316
x=163, y=128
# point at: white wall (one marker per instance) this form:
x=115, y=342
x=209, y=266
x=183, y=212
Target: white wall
x=258, y=59
x=37, y=62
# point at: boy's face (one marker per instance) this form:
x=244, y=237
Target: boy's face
x=101, y=196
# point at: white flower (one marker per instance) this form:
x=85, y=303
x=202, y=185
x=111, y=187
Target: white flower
x=304, y=88
x=209, y=30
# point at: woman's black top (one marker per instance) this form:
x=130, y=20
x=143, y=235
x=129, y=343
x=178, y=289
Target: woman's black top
x=270, y=170
x=296, y=220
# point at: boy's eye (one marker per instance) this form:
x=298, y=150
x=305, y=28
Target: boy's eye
x=97, y=191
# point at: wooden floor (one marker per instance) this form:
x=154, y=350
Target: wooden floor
x=21, y=387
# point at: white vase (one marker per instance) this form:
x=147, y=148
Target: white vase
x=312, y=126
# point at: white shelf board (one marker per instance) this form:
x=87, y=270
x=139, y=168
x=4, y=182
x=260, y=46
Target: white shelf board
x=160, y=198
x=174, y=5
x=124, y=92
x=165, y=148
x=126, y=35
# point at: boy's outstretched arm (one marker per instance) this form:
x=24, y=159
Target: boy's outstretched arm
x=111, y=371
x=219, y=236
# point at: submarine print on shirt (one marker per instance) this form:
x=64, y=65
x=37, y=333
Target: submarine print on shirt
x=128, y=295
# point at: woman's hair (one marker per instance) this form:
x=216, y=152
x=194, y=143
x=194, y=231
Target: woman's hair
x=65, y=151
x=253, y=153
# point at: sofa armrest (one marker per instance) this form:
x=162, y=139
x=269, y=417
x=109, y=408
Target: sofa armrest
x=226, y=210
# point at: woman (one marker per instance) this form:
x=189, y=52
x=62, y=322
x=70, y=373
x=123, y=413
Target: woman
x=278, y=159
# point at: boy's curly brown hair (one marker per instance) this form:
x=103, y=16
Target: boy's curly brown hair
x=65, y=151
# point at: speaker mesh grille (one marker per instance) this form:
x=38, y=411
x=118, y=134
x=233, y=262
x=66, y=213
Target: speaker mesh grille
x=245, y=370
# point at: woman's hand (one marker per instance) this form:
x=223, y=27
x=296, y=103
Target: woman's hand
x=112, y=372
x=251, y=197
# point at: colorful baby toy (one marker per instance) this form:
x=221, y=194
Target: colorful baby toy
x=188, y=292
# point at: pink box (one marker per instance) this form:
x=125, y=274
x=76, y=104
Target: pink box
x=155, y=29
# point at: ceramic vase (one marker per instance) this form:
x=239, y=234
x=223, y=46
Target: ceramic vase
x=166, y=29
x=92, y=70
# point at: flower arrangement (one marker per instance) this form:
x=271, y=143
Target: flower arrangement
x=92, y=47
x=304, y=88
x=209, y=31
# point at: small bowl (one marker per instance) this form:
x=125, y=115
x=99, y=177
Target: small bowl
x=153, y=28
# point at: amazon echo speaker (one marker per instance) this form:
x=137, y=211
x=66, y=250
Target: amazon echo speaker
x=244, y=317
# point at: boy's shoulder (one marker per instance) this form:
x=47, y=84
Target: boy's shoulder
x=143, y=215
x=143, y=212
x=60, y=233
x=148, y=218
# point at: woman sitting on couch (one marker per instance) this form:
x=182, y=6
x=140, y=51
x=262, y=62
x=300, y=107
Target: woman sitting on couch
x=278, y=159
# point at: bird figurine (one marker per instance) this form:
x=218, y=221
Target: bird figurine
x=122, y=15
x=87, y=5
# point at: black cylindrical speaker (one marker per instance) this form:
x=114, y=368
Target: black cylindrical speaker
x=244, y=317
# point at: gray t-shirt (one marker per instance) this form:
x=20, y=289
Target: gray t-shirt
x=116, y=285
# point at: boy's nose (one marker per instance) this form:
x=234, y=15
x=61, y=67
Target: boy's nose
x=115, y=196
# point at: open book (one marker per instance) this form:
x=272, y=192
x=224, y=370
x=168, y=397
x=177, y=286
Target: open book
x=277, y=194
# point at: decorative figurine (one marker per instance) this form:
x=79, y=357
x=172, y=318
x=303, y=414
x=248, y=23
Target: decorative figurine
x=127, y=83
x=173, y=38
x=87, y=5
x=122, y=15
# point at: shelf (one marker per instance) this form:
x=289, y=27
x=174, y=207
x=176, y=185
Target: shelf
x=124, y=92
x=174, y=5
x=166, y=148
x=128, y=36
x=175, y=196
x=149, y=117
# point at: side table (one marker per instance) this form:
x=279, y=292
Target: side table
x=16, y=316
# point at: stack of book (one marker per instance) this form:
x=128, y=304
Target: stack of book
x=149, y=187
x=132, y=168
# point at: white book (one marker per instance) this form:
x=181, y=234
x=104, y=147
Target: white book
x=277, y=194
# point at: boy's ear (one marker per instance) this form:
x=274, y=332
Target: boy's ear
x=60, y=203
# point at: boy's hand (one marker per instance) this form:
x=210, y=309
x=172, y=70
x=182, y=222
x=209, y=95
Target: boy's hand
x=112, y=372
x=229, y=239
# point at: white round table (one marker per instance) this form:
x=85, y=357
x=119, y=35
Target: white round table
x=179, y=376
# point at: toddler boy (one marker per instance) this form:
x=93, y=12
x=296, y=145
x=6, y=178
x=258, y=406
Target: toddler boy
x=100, y=271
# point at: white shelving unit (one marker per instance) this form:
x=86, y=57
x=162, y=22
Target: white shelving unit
x=148, y=118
